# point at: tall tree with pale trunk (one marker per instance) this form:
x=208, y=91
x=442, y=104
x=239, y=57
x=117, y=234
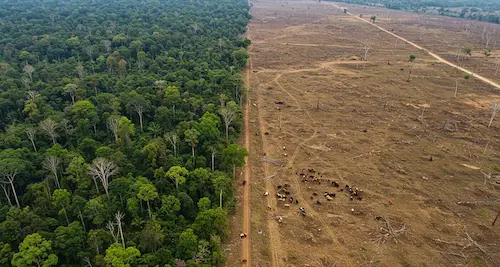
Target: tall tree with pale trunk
x=51, y=163
x=49, y=126
x=103, y=169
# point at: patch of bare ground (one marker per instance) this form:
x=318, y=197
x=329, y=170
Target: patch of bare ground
x=384, y=125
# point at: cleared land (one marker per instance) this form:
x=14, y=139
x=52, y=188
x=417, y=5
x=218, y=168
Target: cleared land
x=417, y=152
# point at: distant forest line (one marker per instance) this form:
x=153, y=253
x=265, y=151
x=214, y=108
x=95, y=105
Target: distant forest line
x=482, y=10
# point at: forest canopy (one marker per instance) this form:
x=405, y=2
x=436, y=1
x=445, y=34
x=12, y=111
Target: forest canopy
x=117, y=127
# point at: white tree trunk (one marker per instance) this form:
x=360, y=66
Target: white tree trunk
x=6, y=195
x=11, y=181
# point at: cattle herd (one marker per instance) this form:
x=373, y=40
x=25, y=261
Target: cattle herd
x=311, y=177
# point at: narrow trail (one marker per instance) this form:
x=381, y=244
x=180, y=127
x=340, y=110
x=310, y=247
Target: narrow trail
x=440, y=59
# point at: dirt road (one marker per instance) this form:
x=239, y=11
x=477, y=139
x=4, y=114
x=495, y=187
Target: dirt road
x=440, y=59
x=245, y=244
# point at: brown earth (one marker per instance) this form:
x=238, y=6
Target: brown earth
x=403, y=138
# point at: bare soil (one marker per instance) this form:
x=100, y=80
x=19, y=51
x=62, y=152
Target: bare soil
x=417, y=152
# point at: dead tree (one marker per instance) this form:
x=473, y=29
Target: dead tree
x=111, y=227
x=366, y=49
x=113, y=122
x=495, y=108
x=229, y=115
x=172, y=138
x=10, y=176
x=103, y=169
x=49, y=126
x=487, y=177
x=213, y=152
x=30, y=132
x=3, y=185
x=51, y=163
x=119, y=216
x=139, y=108
x=456, y=89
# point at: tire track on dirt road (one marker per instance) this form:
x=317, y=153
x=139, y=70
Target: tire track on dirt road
x=439, y=58
x=274, y=239
x=245, y=244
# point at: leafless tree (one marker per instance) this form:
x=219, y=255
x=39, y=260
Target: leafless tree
x=213, y=152
x=113, y=123
x=49, y=126
x=3, y=185
x=87, y=261
x=495, y=107
x=172, y=138
x=10, y=176
x=119, y=216
x=229, y=115
x=139, y=108
x=366, y=49
x=51, y=163
x=31, y=132
x=103, y=169
x=111, y=227
x=70, y=88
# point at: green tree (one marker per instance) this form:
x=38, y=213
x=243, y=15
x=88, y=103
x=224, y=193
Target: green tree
x=170, y=206
x=234, y=156
x=204, y=203
x=61, y=198
x=5, y=254
x=146, y=192
x=97, y=239
x=151, y=237
x=116, y=256
x=126, y=129
x=85, y=115
x=69, y=240
x=191, y=137
x=178, y=175
x=467, y=50
x=34, y=250
x=211, y=222
x=187, y=245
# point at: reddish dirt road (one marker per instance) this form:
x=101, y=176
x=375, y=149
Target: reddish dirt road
x=440, y=59
x=245, y=244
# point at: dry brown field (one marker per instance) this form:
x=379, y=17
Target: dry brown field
x=427, y=162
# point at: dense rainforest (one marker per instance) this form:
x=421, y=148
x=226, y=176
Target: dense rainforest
x=118, y=120
x=482, y=10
